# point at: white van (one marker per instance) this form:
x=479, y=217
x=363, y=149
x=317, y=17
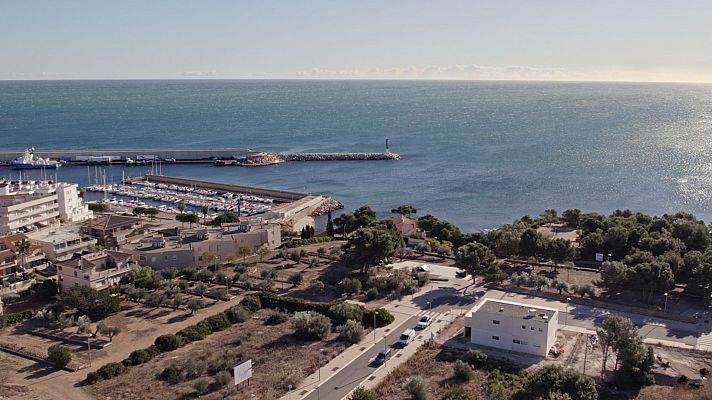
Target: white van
x=406, y=337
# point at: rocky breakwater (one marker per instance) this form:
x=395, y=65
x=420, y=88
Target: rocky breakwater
x=326, y=205
x=338, y=156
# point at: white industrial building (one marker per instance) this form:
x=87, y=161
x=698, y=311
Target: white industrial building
x=512, y=326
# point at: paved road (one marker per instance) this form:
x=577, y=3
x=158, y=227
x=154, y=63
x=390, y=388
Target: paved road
x=359, y=369
x=350, y=376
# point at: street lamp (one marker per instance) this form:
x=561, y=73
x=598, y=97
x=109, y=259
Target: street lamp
x=385, y=349
x=374, y=326
x=319, y=361
x=666, y=297
x=566, y=321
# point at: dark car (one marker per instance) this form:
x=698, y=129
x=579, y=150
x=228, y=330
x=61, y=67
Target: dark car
x=382, y=356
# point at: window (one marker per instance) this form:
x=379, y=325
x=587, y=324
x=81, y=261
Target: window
x=516, y=341
x=536, y=345
x=494, y=321
x=495, y=337
x=524, y=327
x=540, y=330
x=532, y=328
x=525, y=343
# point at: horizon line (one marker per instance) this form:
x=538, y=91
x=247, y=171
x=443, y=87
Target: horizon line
x=208, y=78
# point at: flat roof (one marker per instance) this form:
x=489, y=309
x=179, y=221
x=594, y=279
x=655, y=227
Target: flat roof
x=516, y=310
x=65, y=233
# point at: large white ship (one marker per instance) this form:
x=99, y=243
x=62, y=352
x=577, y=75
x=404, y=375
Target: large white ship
x=29, y=161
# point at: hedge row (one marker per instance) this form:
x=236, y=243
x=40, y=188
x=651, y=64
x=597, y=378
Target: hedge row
x=306, y=242
x=293, y=304
x=11, y=319
x=170, y=342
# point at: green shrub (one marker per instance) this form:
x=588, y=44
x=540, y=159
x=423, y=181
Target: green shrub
x=227, y=361
x=166, y=343
x=139, y=357
x=222, y=378
x=152, y=350
x=111, y=370
x=277, y=319
x=11, y=319
x=350, y=286
x=351, y=332
x=363, y=394
x=342, y=312
x=463, y=372
x=237, y=314
x=383, y=318
x=372, y=293
x=201, y=385
x=170, y=374
x=455, y=393
x=204, y=328
x=296, y=279
x=476, y=358
x=306, y=242
x=417, y=387
x=191, y=334
x=251, y=302
x=311, y=325
x=218, y=322
x=93, y=377
x=59, y=356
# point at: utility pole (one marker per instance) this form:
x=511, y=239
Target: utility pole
x=374, y=326
x=585, y=353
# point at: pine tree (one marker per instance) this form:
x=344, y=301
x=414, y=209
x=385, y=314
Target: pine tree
x=329, y=225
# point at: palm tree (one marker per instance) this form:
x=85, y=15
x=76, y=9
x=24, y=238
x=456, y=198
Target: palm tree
x=204, y=209
x=23, y=249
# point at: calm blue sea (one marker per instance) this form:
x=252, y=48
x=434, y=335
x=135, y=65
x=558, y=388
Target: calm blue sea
x=477, y=153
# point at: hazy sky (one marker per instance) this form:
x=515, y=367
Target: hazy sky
x=497, y=39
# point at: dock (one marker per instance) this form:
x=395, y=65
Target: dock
x=220, y=157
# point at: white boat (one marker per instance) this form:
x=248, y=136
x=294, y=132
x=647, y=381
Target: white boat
x=29, y=161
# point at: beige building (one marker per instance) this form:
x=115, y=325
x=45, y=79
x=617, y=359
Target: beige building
x=112, y=231
x=61, y=243
x=11, y=264
x=190, y=246
x=99, y=270
x=27, y=206
x=512, y=326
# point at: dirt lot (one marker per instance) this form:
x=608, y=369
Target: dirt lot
x=137, y=323
x=436, y=366
x=679, y=392
x=279, y=359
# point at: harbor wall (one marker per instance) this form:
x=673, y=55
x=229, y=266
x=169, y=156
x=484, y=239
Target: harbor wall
x=282, y=195
x=122, y=154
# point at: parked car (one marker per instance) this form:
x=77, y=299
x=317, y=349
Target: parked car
x=406, y=337
x=382, y=356
x=423, y=268
x=460, y=273
x=424, y=322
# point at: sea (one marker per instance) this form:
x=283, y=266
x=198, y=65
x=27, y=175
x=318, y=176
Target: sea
x=479, y=154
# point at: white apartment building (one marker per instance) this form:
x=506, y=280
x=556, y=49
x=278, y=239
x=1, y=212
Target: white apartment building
x=99, y=270
x=71, y=206
x=27, y=206
x=512, y=326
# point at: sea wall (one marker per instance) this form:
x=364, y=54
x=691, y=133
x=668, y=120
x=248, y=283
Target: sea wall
x=280, y=195
x=338, y=156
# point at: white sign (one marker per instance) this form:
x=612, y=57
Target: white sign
x=243, y=372
x=599, y=257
